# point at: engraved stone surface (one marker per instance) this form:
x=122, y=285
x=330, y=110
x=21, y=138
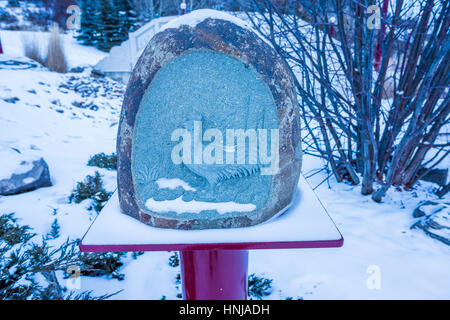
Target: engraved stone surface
x=209, y=135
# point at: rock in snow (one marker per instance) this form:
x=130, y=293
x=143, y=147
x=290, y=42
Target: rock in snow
x=424, y=208
x=436, y=224
x=37, y=177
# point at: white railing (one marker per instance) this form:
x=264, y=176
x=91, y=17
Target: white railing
x=123, y=58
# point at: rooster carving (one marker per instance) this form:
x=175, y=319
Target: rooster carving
x=214, y=173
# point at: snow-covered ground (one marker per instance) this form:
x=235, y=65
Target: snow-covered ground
x=377, y=241
x=381, y=257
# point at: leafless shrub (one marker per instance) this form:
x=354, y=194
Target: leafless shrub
x=56, y=59
x=345, y=71
x=32, y=48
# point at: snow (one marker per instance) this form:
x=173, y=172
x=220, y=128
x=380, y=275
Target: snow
x=172, y=184
x=306, y=220
x=197, y=16
x=35, y=126
x=178, y=205
x=377, y=236
x=14, y=163
x=28, y=180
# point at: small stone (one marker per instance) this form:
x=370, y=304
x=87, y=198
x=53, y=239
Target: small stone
x=77, y=69
x=97, y=74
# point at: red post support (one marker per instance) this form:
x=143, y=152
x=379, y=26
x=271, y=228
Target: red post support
x=214, y=274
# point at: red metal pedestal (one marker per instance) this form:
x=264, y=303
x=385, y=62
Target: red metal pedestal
x=214, y=274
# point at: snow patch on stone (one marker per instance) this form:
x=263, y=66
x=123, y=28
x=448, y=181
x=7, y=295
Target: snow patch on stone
x=164, y=183
x=180, y=206
x=197, y=16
